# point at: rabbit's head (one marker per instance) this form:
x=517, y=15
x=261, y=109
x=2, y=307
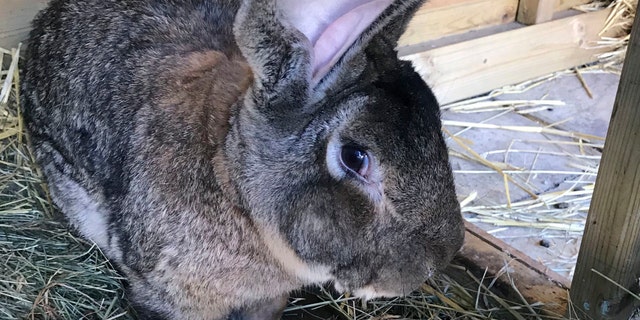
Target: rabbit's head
x=337, y=148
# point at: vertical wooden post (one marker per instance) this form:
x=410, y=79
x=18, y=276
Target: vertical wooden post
x=611, y=242
x=536, y=11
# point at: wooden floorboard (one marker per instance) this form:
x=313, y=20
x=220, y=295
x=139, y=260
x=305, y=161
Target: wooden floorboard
x=510, y=269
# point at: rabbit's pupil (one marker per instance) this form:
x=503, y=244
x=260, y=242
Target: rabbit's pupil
x=355, y=159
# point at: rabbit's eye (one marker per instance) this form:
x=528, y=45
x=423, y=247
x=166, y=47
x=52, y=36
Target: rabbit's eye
x=355, y=159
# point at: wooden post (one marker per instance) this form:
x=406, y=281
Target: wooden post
x=611, y=242
x=536, y=11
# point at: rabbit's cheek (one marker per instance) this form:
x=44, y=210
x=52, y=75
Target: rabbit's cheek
x=293, y=265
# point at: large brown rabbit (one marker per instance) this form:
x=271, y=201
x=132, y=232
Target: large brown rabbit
x=223, y=152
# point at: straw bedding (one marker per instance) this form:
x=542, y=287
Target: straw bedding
x=47, y=272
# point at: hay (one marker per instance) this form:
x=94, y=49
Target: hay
x=440, y=298
x=49, y=273
x=554, y=214
x=621, y=18
x=45, y=271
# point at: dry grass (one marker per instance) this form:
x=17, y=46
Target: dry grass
x=559, y=213
x=49, y=273
x=440, y=298
x=46, y=272
x=621, y=17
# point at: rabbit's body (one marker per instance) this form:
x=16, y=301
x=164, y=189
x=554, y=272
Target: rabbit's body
x=195, y=149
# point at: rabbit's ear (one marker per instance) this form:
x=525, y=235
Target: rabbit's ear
x=339, y=28
x=299, y=48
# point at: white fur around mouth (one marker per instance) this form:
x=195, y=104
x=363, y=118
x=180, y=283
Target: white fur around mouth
x=365, y=293
x=369, y=293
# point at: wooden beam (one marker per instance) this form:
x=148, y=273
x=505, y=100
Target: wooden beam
x=536, y=11
x=536, y=283
x=436, y=19
x=439, y=18
x=477, y=66
x=611, y=241
x=15, y=20
x=568, y=4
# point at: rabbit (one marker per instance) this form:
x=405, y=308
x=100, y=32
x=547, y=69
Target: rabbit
x=224, y=153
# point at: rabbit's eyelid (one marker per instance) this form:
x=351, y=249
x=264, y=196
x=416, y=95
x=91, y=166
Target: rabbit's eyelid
x=333, y=159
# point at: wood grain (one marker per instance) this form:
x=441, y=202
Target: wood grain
x=568, y=4
x=436, y=19
x=536, y=11
x=611, y=241
x=477, y=66
x=439, y=18
x=483, y=252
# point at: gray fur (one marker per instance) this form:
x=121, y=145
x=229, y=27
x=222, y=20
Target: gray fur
x=187, y=139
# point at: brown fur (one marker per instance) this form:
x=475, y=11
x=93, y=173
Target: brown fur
x=190, y=142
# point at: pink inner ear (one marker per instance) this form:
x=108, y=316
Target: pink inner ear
x=331, y=26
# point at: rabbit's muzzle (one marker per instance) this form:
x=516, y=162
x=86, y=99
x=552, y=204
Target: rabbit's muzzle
x=406, y=256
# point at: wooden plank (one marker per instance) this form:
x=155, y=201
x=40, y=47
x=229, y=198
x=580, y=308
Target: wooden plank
x=439, y=18
x=568, y=4
x=483, y=252
x=536, y=11
x=15, y=20
x=477, y=66
x=611, y=241
x=436, y=19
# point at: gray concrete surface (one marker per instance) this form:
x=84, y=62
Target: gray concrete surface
x=581, y=114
